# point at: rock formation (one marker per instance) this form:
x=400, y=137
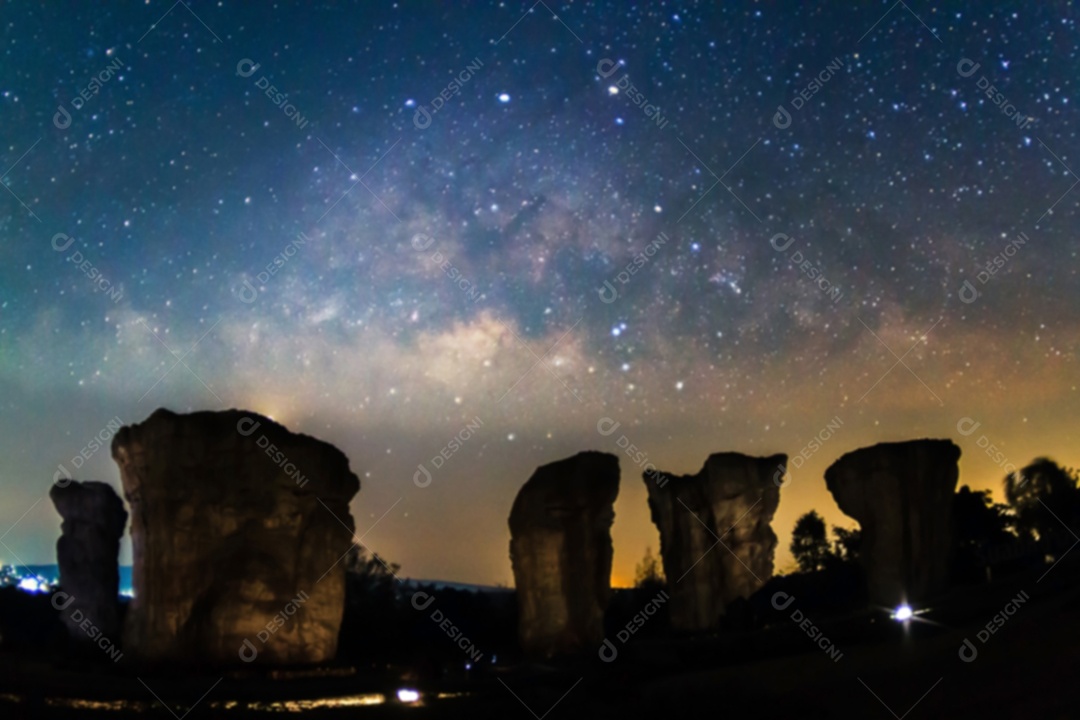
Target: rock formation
x=237, y=529
x=560, y=547
x=716, y=540
x=87, y=552
x=901, y=494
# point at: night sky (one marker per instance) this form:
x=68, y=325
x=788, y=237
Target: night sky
x=379, y=223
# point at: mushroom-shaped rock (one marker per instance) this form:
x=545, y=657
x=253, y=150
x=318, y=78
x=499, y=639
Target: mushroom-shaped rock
x=716, y=537
x=93, y=521
x=561, y=551
x=901, y=493
x=237, y=528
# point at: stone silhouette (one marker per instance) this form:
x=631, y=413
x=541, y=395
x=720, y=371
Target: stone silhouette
x=87, y=552
x=901, y=493
x=237, y=528
x=561, y=551
x=716, y=538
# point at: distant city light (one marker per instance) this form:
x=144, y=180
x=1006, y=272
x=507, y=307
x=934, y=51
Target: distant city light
x=406, y=695
x=44, y=579
x=33, y=585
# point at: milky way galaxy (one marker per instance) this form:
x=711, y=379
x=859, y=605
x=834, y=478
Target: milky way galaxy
x=463, y=241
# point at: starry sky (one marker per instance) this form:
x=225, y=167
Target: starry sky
x=496, y=230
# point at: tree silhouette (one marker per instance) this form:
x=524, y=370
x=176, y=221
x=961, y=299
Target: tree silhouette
x=977, y=521
x=980, y=533
x=649, y=574
x=1045, y=502
x=809, y=544
x=371, y=622
x=371, y=573
x=846, y=544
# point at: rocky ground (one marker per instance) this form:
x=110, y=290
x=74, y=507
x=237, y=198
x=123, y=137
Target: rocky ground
x=884, y=669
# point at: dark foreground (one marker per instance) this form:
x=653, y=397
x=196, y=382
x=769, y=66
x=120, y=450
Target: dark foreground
x=885, y=669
